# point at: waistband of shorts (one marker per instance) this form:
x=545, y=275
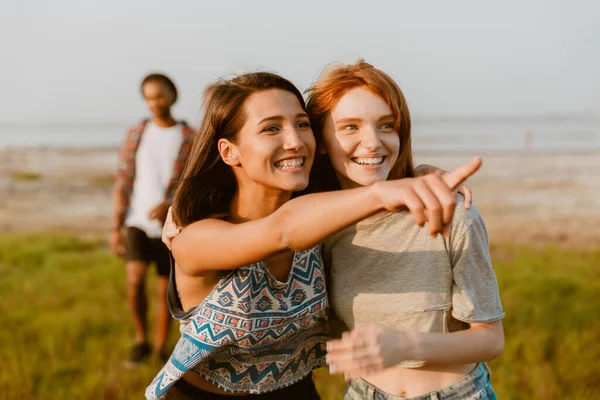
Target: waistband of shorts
x=470, y=384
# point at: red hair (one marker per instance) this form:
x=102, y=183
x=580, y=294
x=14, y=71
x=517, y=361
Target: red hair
x=329, y=88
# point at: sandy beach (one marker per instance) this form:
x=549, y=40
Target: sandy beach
x=526, y=198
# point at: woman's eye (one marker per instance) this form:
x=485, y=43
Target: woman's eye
x=303, y=125
x=387, y=125
x=272, y=128
x=350, y=128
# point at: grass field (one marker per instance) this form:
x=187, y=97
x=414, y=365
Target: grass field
x=65, y=327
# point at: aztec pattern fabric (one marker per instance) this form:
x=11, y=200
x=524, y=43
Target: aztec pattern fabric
x=253, y=333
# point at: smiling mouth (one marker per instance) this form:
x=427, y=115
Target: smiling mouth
x=290, y=163
x=368, y=161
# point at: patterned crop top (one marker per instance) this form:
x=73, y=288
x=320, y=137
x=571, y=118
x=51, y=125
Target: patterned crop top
x=252, y=333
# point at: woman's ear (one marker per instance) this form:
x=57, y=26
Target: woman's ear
x=229, y=152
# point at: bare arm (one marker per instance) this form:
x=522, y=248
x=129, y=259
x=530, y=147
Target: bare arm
x=372, y=348
x=299, y=224
x=213, y=244
x=481, y=342
x=115, y=238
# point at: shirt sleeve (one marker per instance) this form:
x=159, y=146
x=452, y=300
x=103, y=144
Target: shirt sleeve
x=121, y=170
x=475, y=294
x=122, y=180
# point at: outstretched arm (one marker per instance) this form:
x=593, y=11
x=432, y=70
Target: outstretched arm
x=213, y=244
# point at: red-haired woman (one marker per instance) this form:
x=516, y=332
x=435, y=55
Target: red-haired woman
x=424, y=311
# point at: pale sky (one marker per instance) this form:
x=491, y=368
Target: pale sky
x=78, y=60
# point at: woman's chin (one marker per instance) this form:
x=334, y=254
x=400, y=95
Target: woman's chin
x=295, y=186
x=367, y=180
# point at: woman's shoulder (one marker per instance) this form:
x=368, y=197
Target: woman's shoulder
x=463, y=215
x=466, y=220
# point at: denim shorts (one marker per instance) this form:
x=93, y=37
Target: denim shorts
x=475, y=386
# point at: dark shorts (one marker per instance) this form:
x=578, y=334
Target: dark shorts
x=303, y=390
x=151, y=250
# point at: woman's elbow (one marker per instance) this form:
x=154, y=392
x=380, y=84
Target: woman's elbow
x=184, y=259
x=283, y=230
x=497, y=341
x=496, y=349
x=491, y=339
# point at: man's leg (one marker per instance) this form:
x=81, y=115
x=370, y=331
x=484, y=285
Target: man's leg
x=162, y=258
x=136, y=296
x=136, y=270
x=163, y=317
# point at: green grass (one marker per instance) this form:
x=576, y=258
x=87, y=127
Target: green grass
x=65, y=327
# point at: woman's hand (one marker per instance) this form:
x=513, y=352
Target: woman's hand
x=467, y=193
x=429, y=198
x=170, y=230
x=425, y=169
x=366, y=350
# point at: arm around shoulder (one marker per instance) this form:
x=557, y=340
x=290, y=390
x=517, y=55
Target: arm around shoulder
x=301, y=223
x=214, y=244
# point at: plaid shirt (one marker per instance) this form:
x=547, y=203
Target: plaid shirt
x=126, y=169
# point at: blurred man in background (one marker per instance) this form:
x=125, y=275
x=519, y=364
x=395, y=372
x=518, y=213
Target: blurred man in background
x=150, y=164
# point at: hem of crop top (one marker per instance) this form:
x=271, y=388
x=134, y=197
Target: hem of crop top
x=212, y=379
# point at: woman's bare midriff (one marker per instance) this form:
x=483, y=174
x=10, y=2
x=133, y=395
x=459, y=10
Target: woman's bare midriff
x=412, y=382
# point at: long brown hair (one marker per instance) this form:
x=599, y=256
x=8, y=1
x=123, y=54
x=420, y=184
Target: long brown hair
x=208, y=184
x=329, y=88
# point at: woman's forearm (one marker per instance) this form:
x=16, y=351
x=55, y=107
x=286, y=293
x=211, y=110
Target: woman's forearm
x=298, y=224
x=372, y=348
x=481, y=342
x=308, y=220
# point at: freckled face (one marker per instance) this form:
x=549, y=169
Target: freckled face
x=360, y=138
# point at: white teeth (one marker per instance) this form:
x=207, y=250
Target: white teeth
x=290, y=163
x=368, y=160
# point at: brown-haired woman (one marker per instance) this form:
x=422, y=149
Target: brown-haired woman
x=424, y=313
x=248, y=283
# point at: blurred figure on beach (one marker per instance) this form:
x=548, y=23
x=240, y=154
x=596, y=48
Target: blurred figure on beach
x=150, y=163
x=528, y=139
